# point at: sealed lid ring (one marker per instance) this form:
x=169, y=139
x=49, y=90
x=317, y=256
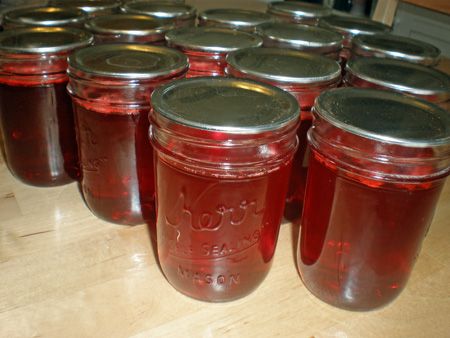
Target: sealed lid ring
x=233, y=18
x=45, y=16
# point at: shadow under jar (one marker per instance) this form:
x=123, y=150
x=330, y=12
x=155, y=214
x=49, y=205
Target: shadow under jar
x=303, y=75
x=378, y=164
x=408, y=78
x=179, y=15
x=233, y=18
x=351, y=26
x=207, y=47
x=128, y=28
x=385, y=45
x=297, y=12
x=223, y=155
x=91, y=7
x=36, y=118
x=110, y=87
x=303, y=38
x=44, y=17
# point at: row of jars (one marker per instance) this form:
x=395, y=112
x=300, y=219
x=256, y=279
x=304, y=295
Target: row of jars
x=223, y=153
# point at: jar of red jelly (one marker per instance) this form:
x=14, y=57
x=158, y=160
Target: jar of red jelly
x=110, y=87
x=129, y=28
x=302, y=38
x=207, y=47
x=384, y=45
x=91, y=7
x=405, y=77
x=298, y=11
x=36, y=117
x=378, y=164
x=44, y=16
x=223, y=154
x=180, y=15
x=351, y=26
x=305, y=76
x=233, y=18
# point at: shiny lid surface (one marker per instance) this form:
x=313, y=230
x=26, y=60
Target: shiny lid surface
x=138, y=25
x=211, y=39
x=234, y=18
x=163, y=10
x=301, y=37
x=43, y=39
x=45, y=16
x=397, y=47
x=401, y=76
x=89, y=6
x=238, y=106
x=127, y=61
x=385, y=116
x=298, y=9
x=351, y=25
x=284, y=65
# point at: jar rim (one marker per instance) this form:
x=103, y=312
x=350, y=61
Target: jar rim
x=298, y=9
x=163, y=10
x=45, y=16
x=351, y=25
x=240, y=18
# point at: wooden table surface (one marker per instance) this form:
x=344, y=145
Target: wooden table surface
x=65, y=273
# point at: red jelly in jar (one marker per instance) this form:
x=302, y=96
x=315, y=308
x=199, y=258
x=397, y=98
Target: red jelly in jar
x=303, y=75
x=350, y=27
x=223, y=153
x=36, y=118
x=401, y=76
x=207, y=47
x=91, y=7
x=110, y=87
x=303, y=38
x=233, y=18
x=298, y=12
x=44, y=17
x=385, y=45
x=378, y=164
x=129, y=28
x=180, y=15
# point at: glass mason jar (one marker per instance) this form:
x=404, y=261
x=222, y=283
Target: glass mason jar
x=385, y=45
x=232, y=18
x=91, y=7
x=128, y=28
x=223, y=153
x=304, y=38
x=375, y=178
x=298, y=12
x=36, y=118
x=303, y=75
x=408, y=78
x=351, y=26
x=44, y=16
x=110, y=87
x=180, y=15
x=207, y=47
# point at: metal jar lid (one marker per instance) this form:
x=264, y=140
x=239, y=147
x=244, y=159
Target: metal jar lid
x=298, y=9
x=127, y=61
x=45, y=16
x=396, y=47
x=210, y=39
x=235, y=106
x=37, y=40
x=128, y=24
x=233, y=18
x=385, y=116
x=350, y=25
x=89, y=6
x=285, y=65
x=300, y=37
x=400, y=76
x=161, y=10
